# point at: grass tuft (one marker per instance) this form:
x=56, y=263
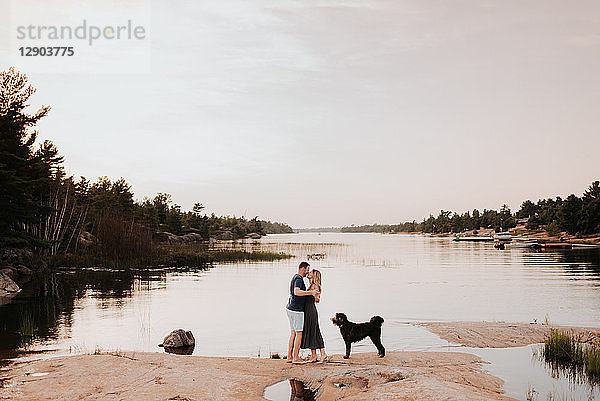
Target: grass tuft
x=563, y=347
x=28, y=325
x=592, y=361
x=565, y=350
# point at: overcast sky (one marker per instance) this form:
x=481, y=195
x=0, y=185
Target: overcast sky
x=321, y=113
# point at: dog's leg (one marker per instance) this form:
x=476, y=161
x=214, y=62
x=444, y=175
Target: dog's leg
x=348, y=346
x=377, y=341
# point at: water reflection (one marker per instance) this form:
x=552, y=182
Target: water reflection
x=583, y=258
x=300, y=392
x=45, y=306
x=292, y=390
x=574, y=374
x=527, y=376
x=582, y=371
x=586, y=259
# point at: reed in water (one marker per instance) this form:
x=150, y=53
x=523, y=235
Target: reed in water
x=565, y=350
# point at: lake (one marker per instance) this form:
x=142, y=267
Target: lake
x=238, y=309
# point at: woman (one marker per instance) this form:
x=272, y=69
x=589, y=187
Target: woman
x=311, y=334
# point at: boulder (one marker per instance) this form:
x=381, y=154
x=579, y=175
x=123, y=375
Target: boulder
x=178, y=339
x=180, y=351
x=17, y=266
x=8, y=288
x=253, y=236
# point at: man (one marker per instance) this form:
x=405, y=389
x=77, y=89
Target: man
x=295, y=311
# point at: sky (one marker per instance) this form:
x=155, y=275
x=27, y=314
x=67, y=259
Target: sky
x=326, y=112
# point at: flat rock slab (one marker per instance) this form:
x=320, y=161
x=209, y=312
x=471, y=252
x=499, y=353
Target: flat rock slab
x=153, y=376
x=502, y=334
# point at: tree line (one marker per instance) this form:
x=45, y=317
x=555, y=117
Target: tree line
x=42, y=208
x=576, y=215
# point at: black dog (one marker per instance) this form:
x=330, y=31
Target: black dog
x=353, y=332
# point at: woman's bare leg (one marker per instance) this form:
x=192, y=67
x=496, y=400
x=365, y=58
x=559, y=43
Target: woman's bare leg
x=323, y=354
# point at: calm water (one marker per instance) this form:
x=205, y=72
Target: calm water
x=238, y=309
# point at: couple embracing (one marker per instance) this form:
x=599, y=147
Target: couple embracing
x=303, y=316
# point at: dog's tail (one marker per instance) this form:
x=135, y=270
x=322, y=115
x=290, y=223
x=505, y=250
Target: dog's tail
x=376, y=321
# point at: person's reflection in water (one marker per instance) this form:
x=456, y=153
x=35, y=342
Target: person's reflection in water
x=300, y=392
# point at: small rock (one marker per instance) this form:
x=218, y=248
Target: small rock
x=178, y=338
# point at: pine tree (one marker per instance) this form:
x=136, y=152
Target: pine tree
x=24, y=172
x=590, y=213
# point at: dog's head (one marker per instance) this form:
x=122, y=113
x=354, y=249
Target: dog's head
x=339, y=319
x=376, y=321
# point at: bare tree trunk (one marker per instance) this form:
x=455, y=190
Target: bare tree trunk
x=67, y=223
x=59, y=222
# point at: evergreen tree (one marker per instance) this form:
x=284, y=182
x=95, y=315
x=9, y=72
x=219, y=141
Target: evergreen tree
x=590, y=213
x=23, y=171
x=528, y=209
x=569, y=214
x=173, y=221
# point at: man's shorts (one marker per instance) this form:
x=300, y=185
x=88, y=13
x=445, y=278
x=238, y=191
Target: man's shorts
x=296, y=319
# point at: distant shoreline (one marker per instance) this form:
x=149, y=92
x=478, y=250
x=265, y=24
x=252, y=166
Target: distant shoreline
x=540, y=235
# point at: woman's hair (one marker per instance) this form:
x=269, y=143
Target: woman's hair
x=315, y=279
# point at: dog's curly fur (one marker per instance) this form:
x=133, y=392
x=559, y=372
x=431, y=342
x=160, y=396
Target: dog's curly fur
x=353, y=332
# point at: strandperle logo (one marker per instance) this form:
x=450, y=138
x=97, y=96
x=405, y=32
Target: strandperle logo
x=85, y=31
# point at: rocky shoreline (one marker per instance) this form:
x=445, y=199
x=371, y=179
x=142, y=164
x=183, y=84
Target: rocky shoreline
x=400, y=375
x=165, y=237
x=17, y=266
x=155, y=376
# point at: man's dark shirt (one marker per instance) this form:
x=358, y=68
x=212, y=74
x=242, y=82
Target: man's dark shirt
x=296, y=303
